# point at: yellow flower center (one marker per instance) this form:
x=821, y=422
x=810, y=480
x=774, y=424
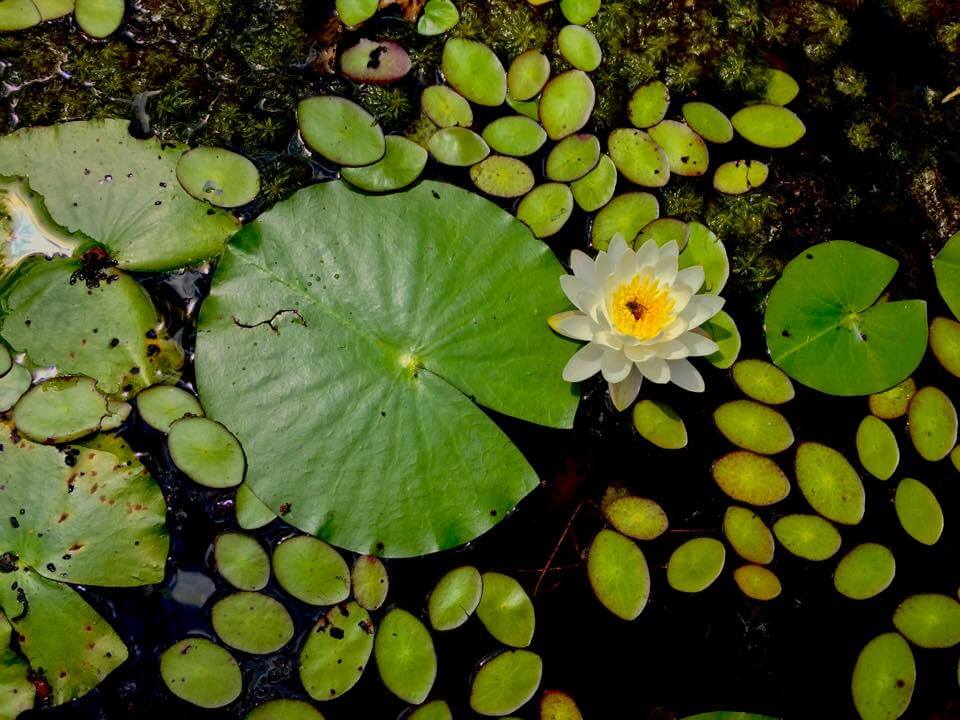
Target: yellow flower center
x=642, y=308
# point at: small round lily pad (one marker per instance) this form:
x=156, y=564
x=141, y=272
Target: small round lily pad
x=722, y=329
x=757, y=582
x=506, y=610
x=877, y=447
x=638, y=157
x=566, y=103
x=579, y=47
x=618, y=574
x=625, y=215
x=579, y=12
x=218, y=176
x=659, y=424
x=311, y=571
x=201, y=672
x=162, y=405
x=648, y=104
x=919, y=511
x=455, y=598
x=769, y=126
x=752, y=426
x=883, y=678
x=945, y=343
x=748, y=535
x=474, y=71
x=636, y=517
x=893, y=403
x=206, y=452
x=446, y=107
x=807, y=536
x=663, y=231
x=573, y=157
x=527, y=75
x=736, y=177
x=686, y=151
x=18, y=15
x=502, y=176
x=405, y=656
x=370, y=582
x=354, y=12
x=99, y=18
x=13, y=385
x=505, y=683
x=696, y=564
x=438, y=17
x=401, y=164
x=62, y=409
x=336, y=651
x=546, y=209
x=250, y=510
x=763, y=382
x=458, y=146
x=433, y=710
x=750, y=478
x=708, y=122
x=780, y=87
x=865, y=572
x=252, y=622
x=932, y=420
x=596, y=188
x=515, y=135
x=340, y=130
x=284, y=709
x=829, y=483
x=557, y=705
x=241, y=560
x=929, y=620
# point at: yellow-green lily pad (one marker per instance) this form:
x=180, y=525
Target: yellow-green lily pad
x=752, y=426
x=311, y=571
x=735, y=177
x=638, y=157
x=757, y=582
x=625, y=215
x=62, y=409
x=750, y=478
x=893, y=403
x=932, y=421
x=457, y=146
x=241, y=560
x=162, y=405
x=748, y=535
x=658, y=423
x=252, y=622
x=218, y=176
x=474, y=71
x=579, y=47
x=883, y=678
x=506, y=610
x=557, y=705
x=446, y=107
x=618, y=574
x=502, y=176
x=340, y=130
x=648, y=104
x=662, y=231
x=763, y=382
x=722, y=329
x=515, y=135
x=780, y=87
x=708, y=122
x=829, y=483
x=705, y=249
x=438, y=17
x=946, y=269
x=696, y=564
x=945, y=343
x=636, y=517
x=865, y=572
x=99, y=18
x=505, y=683
x=769, y=126
x=202, y=673
x=546, y=209
x=354, y=12
x=579, y=12
x=919, y=511
x=401, y=164
x=206, y=452
x=251, y=511
x=405, y=656
x=807, y=536
x=877, y=447
x=455, y=598
x=929, y=620
x=573, y=157
x=527, y=75
x=433, y=710
x=370, y=582
x=284, y=709
x=566, y=103
x=686, y=151
x=336, y=651
x=18, y=15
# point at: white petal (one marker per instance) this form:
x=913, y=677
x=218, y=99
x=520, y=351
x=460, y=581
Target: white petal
x=680, y=294
x=655, y=370
x=582, y=266
x=625, y=392
x=614, y=365
x=671, y=331
x=697, y=345
x=580, y=294
x=638, y=353
x=584, y=363
x=692, y=277
x=669, y=350
x=618, y=247
x=574, y=325
x=647, y=255
x=684, y=374
x=609, y=339
x=701, y=309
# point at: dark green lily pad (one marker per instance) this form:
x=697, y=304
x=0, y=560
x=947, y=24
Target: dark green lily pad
x=284, y=709
x=162, y=405
x=807, y=536
x=370, y=582
x=311, y=571
x=502, y=176
x=696, y=564
x=218, y=176
x=400, y=165
x=455, y=598
x=336, y=651
x=945, y=343
x=63, y=409
x=340, y=130
x=755, y=427
x=596, y=188
x=929, y=620
x=405, y=656
x=893, y=403
x=736, y=177
x=658, y=423
x=515, y=135
x=919, y=511
x=705, y=249
x=573, y=157
x=829, y=483
x=99, y=18
x=505, y=683
x=762, y=381
x=252, y=622
x=618, y=574
x=884, y=678
x=662, y=231
x=458, y=146
x=18, y=15
x=748, y=535
x=722, y=329
x=946, y=268
x=438, y=17
x=638, y=158
x=354, y=12
x=877, y=447
x=251, y=512
x=750, y=478
x=780, y=87
x=202, y=673
x=826, y=328
x=686, y=151
x=579, y=12
x=648, y=104
x=708, y=122
x=446, y=107
x=757, y=582
x=546, y=209
x=241, y=560
x=625, y=215
x=636, y=517
x=206, y=452
x=527, y=75
x=505, y=610
x=474, y=71
x=566, y=104
x=932, y=420
x=579, y=47
x=769, y=126
x=865, y=572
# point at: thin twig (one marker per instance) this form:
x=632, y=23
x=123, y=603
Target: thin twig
x=556, y=548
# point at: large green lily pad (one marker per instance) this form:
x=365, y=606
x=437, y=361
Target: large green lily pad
x=409, y=299
x=827, y=328
x=946, y=268
x=123, y=193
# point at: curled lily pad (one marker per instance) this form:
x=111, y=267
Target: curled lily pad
x=826, y=329
x=311, y=570
x=893, y=403
x=18, y=15
x=883, y=678
x=705, y=249
x=515, y=135
x=379, y=62
x=752, y=426
x=636, y=517
x=762, y=381
x=662, y=231
x=877, y=448
x=546, y=209
x=527, y=75
x=919, y=511
x=99, y=18
x=708, y=122
x=658, y=423
x=829, y=483
x=579, y=12
x=241, y=560
x=63, y=409
x=201, y=672
x=505, y=610
x=401, y=164
x=218, y=176
x=252, y=622
x=438, y=17
x=354, y=12
x=736, y=177
x=648, y=104
x=455, y=598
x=807, y=536
x=618, y=574
x=780, y=87
x=474, y=71
x=865, y=572
x=625, y=215
x=932, y=420
x=750, y=478
x=748, y=535
x=405, y=656
x=946, y=268
x=458, y=146
x=722, y=329
x=596, y=188
x=573, y=157
x=757, y=582
x=340, y=130
x=446, y=107
x=527, y=108
x=206, y=452
x=505, y=683
x=929, y=620
x=638, y=158
x=502, y=176
x=579, y=47
x=696, y=564
x=433, y=710
x=370, y=582
x=162, y=405
x=251, y=512
x=686, y=152
x=336, y=651
x=284, y=709
x=769, y=126
x=557, y=705
x=945, y=343
x=566, y=104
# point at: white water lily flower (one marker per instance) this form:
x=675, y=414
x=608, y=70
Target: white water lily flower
x=639, y=313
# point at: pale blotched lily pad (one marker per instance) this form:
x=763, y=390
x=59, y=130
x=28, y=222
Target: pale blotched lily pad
x=780, y=87
x=252, y=622
x=505, y=683
x=433, y=710
x=579, y=47
x=770, y=126
x=400, y=165
x=202, y=673
x=438, y=17
x=527, y=75
x=945, y=343
x=932, y=420
x=596, y=188
x=618, y=574
x=66, y=408
x=99, y=18
x=648, y=104
x=566, y=104
x=370, y=582
x=893, y=403
x=757, y=582
x=458, y=146
x=13, y=385
x=405, y=656
x=696, y=564
x=446, y=107
x=865, y=572
x=919, y=511
x=929, y=620
x=546, y=209
x=18, y=15
x=474, y=71
x=241, y=560
x=120, y=192
x=336, y=651
x=877, y=447
x=162, y=405
x=829, y=483
x=722, y=329
x=340, y=130
x=636, y=517
x=515, y=135
x=750, y=478
x=557, y=705
x=662, y=231
x=686, y=152
x=573, y=157
x=946, y=268
x=250, y=510
x=807, y=536
x=455, y=598
x=354, y=12
x=311, y=570
x=762, y=381
x=705, y=249
x=752, y=426
x=505, y=610
x=206, y=452
x=638, y=158
x=502, y=176
x=625, y=215
x=748, y=535
x=708, y=122
x=284, y=709
x=658, y=423
x=579, y=12
x=736, y=177
x=218, y=176
x=826, y=328
x=884, y=678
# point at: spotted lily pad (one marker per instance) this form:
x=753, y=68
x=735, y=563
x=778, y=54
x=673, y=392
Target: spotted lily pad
x=893, y=403
x=932, y=420
x=722, y=329
x=503, y=177
x=748, y=535
x=865, y=572
x=579, y=47
x=625, y=215
x=336, y=651
x=618, y=574
x=284, y=709
x=736, y=177
x=769, y=126
x=708, y=122
x=505, y=610
x=807, y=536
x=474, y=71
x=757, y=582
x=826, y=328
x=945, y=343
x=162, y=405
x=99, y=18
x=636, y=517
x=596, y=188
x=400, y=165
x=241, y=560
x=648, y=104
x=201, y=672
x=505, y=683
x=755, y=427
x=370, y=582
x=696, y=564
x=829, y=483
x=527, y=75
x=252, y=622
x=438, y=17
x=686, y=151
x=311, y=570
x=946, y=268
x=514, y=135
x=658, y=423
x=762, y=381
x=354, y=12
x=929, y=620
x=206, y=452
x=877, y=447
x=66, y=408
x=546, y=209
x=780, y=87
x=573, y=157
x=446, y=107
x=218, y=176
x=566, y=104
x=405, y=656
x=638, y=158
x=458, y=146
x=455, y=598
x=919, y=511
x=750, y=478
x=883, y=678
